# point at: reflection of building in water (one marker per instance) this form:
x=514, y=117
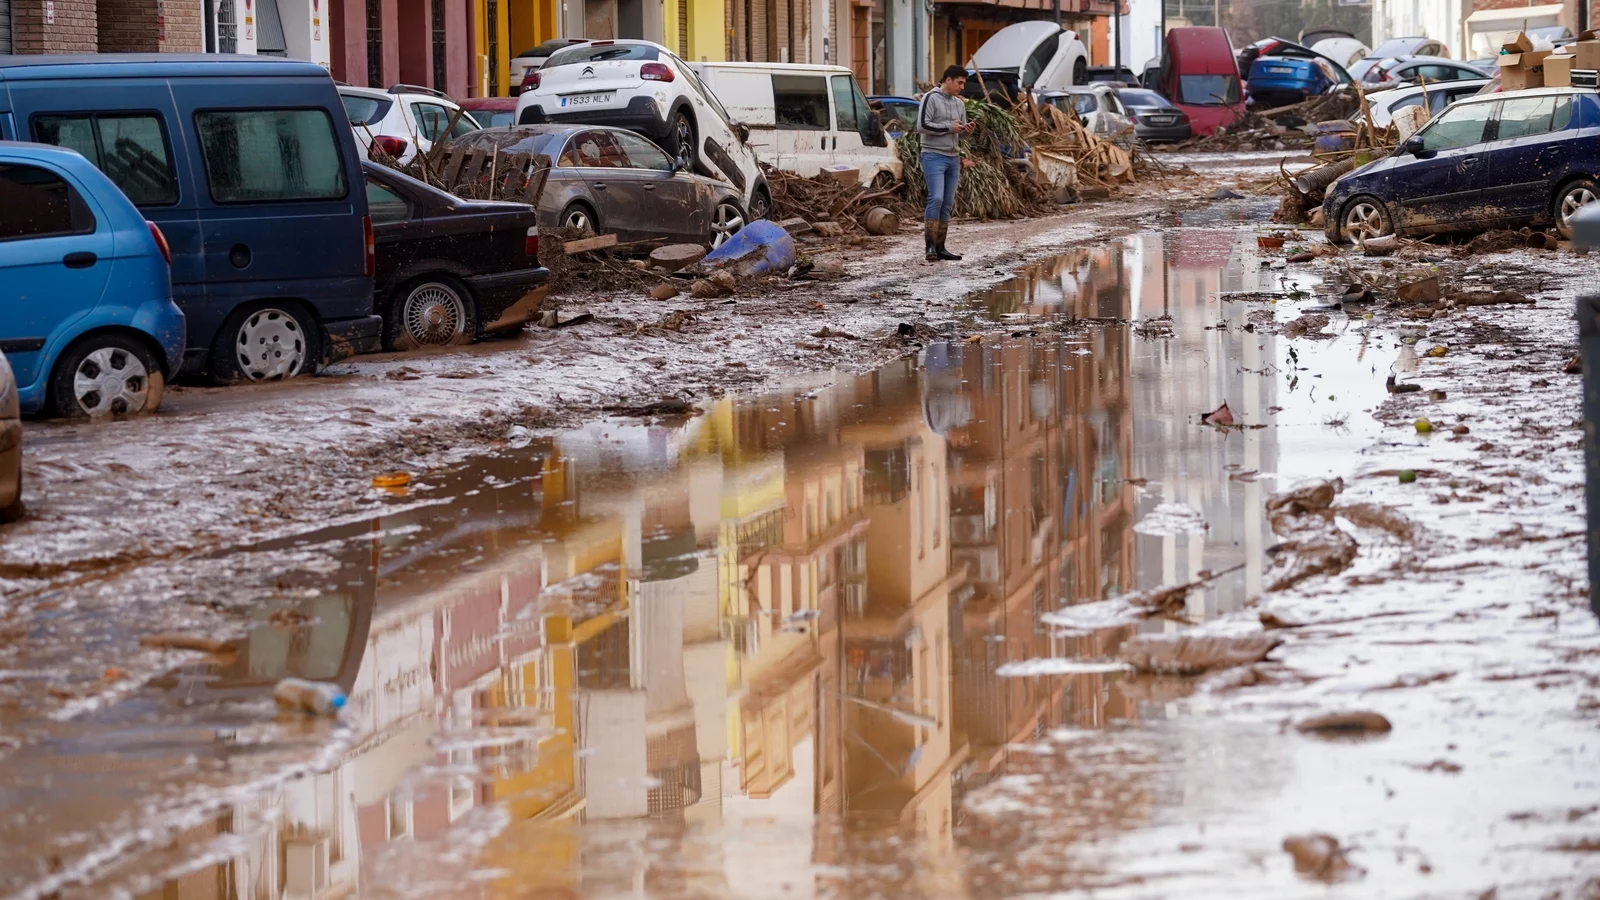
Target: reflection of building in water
x=1183, y=271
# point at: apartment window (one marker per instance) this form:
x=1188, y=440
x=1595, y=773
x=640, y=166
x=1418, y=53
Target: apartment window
x=375, y=43
x=227, y=27
x=270, y=155
x=130, y=149
x=439, y=49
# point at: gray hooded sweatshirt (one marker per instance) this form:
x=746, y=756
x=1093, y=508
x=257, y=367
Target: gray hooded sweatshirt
x=936, y=121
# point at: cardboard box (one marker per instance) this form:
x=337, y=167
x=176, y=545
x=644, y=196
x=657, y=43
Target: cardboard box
x=1587, y=51
x=1558, y=69
x=845, y=175
x=1521, y=66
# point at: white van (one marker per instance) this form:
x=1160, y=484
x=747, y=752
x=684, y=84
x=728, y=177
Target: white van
x=804, y=118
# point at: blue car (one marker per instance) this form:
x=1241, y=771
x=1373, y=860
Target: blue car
x=86, y=313
x=1497, y=161
x=1282, y=80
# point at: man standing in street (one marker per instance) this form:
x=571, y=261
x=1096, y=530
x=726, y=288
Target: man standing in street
x=941, y=121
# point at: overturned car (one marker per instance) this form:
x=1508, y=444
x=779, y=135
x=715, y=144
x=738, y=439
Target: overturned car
x=1496, y=161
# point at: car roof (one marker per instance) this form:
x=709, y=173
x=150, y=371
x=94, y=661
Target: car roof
x=796, y=67
x=147, y=65
x=41, y=151
x=375, y=93
x=1528, y=92
x=1411, y=58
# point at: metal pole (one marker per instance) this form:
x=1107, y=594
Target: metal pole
x=1117, y=37
x=1058, y=13
x=1586, y=236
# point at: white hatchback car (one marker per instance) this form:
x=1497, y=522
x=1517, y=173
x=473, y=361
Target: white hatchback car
x=645, y=88
x=1099, y=107
x=403, y=120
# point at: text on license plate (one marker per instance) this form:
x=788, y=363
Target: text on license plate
x=1280, y=70
x=587, y=99
x=1162, y=120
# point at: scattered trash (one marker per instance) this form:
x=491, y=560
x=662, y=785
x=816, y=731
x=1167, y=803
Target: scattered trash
x=882, y=220
x=391, y=480
x=1222, y=415
x=1437, y=351
x=1397, y=388
x=1226, y=194
x=663, y=291
x=1381, y=246
x=1301, y=258
x=1422, y=425
x=719, y=284
x=1192, y=654
x=1425, y=290
x=552, y=319
x=186, y=642
x=519, y=437
x=1348, y=722
x=668, y=407
x=317, y=698
x=1574, y=365
x=760, y=248
x=1407, y=476
x=1358, y=293
x=673, y=257
x=1319, y=856
x=1313, y=544
x=1307, y=325
x=1460, y=430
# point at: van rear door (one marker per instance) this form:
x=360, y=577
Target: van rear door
x=281, y=202
x=130, y=130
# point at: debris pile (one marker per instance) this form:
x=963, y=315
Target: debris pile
x=1297, y=126
x=816, y=203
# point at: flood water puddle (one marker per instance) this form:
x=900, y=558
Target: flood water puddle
x=747, y=653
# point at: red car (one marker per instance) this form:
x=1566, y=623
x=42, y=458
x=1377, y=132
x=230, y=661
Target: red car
x=492, y=112
x=1200, y=75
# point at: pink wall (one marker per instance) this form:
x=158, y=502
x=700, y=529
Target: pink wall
x=391, y=43
x=407, y=43
x=458, y=48
x=416, y=42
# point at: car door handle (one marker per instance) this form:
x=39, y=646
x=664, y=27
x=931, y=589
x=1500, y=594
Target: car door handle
x=598, y=185
x=649, y=187
x=1469, y=160
x=387, y=239
x=80, y=260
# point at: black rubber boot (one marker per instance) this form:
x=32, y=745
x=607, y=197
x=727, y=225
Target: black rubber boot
x=930, y=240
x=938, y=247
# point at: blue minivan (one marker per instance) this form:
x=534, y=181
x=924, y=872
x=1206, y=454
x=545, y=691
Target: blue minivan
x=86, y=314
x=249, y=167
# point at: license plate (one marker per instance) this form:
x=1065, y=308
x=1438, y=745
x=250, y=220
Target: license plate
x=1280, y=70
x=1162, y=120
x=588, y=99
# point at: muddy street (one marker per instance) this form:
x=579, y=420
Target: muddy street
x=1118, y=560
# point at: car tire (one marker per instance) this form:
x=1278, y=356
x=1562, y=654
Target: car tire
x=580, y=216
x=107, y=374
x=17, y=509
x=433, y=311
x=1365, y=217
x=1573, y=196
x=727, y=220
x=681, y=139
x=264, y=342
x=760, y=203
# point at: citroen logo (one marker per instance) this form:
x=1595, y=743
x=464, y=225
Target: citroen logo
x=588, y=72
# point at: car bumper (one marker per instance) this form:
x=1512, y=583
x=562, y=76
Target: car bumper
x=1164, y=133
x=350, y=337
x=509, y=299
x=641, y=115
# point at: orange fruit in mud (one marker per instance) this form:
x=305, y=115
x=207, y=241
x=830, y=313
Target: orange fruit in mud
x=391, y=480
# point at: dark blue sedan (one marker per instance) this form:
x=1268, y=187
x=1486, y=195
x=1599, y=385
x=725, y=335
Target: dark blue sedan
x=1496, y=161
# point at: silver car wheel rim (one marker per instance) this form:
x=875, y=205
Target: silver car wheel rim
x=111, y=381
x=1363, y=221
x=725, y=223
x=271, y=345
x=578, y=219
x=434, y=314
x=1574, y=201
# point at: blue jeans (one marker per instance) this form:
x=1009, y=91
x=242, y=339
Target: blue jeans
x=942, y=173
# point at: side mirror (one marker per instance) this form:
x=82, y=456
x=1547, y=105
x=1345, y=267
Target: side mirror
x=743, y=131
x=1412, y=145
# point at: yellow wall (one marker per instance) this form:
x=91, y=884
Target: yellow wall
x=532, y=23
x=481, y=27
x=707, y=43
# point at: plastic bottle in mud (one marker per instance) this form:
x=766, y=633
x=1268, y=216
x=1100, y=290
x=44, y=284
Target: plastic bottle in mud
x=315, y=697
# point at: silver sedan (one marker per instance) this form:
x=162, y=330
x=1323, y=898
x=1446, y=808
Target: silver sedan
x=610, y=180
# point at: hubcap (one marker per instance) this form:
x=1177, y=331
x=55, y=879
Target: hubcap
x=685, y=142
x=434, y=314
x=111, y=381
x=1364, y=220
x=725, y=223
x=1574, y=201
x=579, y=220
x=271, y=345
x=759, y=206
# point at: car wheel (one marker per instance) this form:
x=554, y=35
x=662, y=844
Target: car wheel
x=1365, y=218
x=726, y=221
x=17, y=509
x=760, y=203
x=106, y=375
x=1572, y=198
x=263, y=343
x=682, y=138
x=580, y=217
x=436, y=311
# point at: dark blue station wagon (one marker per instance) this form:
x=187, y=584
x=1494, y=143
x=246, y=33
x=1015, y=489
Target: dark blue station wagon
x=1498, y=161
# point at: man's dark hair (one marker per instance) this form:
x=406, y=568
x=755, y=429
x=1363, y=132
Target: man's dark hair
x=953, y=72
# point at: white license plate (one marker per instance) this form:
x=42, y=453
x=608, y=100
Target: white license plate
x=1162, y=120
x=1280, y=70
x=588, y=99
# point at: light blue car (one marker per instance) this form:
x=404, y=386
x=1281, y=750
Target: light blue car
x=86, y=313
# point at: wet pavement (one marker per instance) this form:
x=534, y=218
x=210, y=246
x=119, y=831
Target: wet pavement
x=782, y=648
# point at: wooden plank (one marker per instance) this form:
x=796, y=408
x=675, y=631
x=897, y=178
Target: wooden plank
x=454, y=160
x=536, y=180
x=474, y=168
x=589, y=244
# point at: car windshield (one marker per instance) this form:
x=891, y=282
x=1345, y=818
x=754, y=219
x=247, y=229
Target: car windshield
x=1084, y=103
x=1142, y=98
x=364, y=110
x=1395, y=47
x=1208, y=90
x=497, y=118
x=604, y=52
